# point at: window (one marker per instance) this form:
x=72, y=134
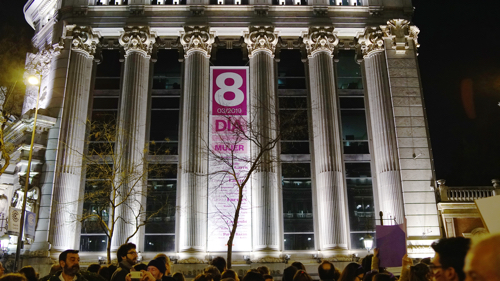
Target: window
x=348, y=71
x=165, y=104
x=297, y=206
x=160, y=208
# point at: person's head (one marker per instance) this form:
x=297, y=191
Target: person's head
x=289, y=273
x=94, y=267
x=214, y=271
x=420, y=272
x=204, y=277
x=157, y=268
x=448, y=263
x=369, y=275
x=301, y=275
x=352, y=272
x=253, y=275
x=178, y=276
x=166, y=260
x=127, y=252
x=264, y=270
x=69, y=261
x=140, y=266
x=229, y=273
x=13, y=277
x=220, y=263
x=483, y=259
x=105, y=272
x=382, y=277
x=29, y=272
x=299, y=265
x=268, y=277
x=326, y=271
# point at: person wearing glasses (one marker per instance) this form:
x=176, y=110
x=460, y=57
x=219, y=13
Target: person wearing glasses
x=127, y=256
x=448, y=263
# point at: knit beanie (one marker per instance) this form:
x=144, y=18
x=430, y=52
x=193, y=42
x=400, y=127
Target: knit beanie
x=158, y=264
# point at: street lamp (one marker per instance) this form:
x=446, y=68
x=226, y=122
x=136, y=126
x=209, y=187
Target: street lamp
x=368, y=242
x=33, y=80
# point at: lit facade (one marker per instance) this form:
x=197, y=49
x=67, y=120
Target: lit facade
x=349, y=69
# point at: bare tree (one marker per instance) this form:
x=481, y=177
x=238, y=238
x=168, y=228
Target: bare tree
x=230, y=165
x=111, y=192
x=13, y=48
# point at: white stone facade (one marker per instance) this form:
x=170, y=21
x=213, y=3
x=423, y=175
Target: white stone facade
x=70, y=32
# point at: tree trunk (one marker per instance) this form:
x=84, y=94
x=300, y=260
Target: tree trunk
x=108, y=250
x=235, y=226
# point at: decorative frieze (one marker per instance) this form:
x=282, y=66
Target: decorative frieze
x=137, y=39
x=197, y=38
x=320, y=39
x=261, y=38
x=371, y=41
x=400, y=32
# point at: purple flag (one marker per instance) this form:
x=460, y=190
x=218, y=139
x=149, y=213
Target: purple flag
x=391, y=242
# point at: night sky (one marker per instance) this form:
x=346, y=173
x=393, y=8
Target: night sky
x=459, y=62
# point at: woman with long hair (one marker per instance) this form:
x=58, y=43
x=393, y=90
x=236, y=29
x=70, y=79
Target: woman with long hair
x=352, y=272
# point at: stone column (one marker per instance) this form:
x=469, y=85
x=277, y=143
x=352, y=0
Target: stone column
x=192, y=192
x=261, y=42
x=130, y=148
x=67, y=178
x=330, y=191
x=385, y=150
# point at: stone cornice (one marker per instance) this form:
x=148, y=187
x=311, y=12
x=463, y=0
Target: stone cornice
x=197, y=38
x=320, y=39
x=261, y=38
x=371, y=41
x=137, y=39
x=400, y=32
x=84, y=40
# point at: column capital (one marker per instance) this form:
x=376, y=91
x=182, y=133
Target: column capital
x=40, y=62
x=371, y=41
x=84, y=40
x=197, y=38
x=400, y=32
x=320, y=39
x=137, y=39
x=261, y=38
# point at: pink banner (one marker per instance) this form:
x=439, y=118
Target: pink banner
x=229, y=158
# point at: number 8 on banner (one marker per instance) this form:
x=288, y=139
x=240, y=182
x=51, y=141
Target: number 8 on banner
x=239, y=96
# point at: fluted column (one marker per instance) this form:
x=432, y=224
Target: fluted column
x=330, y=190
x=130, y=151
x=261, y=42
x=385, y=152
x=192, y=216
x=71, y=139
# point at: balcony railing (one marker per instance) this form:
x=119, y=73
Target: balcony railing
x=467, y=194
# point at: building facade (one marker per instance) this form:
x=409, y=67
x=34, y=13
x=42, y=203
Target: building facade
x=345, y=72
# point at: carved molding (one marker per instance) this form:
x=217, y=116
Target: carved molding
x=371, y=41
x=261, y=38
x=84, y=40
x=197, y=38
x=320, y=39
x=137, y=39
x=400, y=32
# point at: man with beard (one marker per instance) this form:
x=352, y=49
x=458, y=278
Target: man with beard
x=69, y=261
x=127, y=257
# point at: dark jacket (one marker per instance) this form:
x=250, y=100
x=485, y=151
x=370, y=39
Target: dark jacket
x=122, y=271
x=55, y=277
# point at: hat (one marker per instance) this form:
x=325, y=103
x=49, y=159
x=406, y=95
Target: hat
x=158, y=264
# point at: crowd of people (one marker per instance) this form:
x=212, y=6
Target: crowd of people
x=456, y=259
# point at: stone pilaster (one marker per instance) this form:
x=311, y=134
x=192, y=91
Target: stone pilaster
x=67, y=178
x=130, y=150
x=385, y=149
x=261, y=42
x=330, y=191
x=192, y=192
